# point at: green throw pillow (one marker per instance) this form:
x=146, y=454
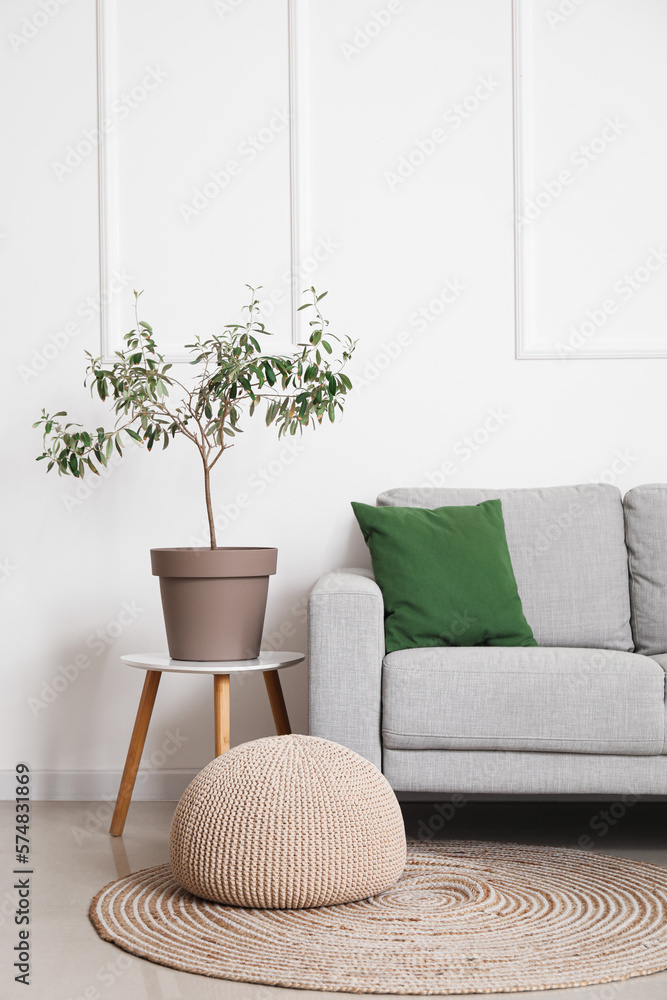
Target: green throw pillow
x=446, y=576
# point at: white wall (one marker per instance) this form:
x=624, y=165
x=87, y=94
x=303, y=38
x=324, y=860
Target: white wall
x=70, y=564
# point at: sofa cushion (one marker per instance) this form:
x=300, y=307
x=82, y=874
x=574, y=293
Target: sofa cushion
x=646, y=536
x=662, y=660
x=446, y=576
x=542, y=699
x=567, y=545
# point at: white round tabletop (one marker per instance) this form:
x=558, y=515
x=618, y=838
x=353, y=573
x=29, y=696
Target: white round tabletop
x=265, y=661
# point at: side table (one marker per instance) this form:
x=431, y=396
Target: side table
x=155, y=664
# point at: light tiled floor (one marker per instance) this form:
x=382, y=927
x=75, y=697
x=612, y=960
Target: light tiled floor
x=73, y=857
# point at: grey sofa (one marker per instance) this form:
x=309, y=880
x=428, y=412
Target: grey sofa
x=583, y=713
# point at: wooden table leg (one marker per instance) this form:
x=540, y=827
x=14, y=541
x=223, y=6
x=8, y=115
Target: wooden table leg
x=275, y=693
x=135, y=751
x=221, y=710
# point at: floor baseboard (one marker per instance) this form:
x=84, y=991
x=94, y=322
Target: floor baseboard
x=160, y=785
x=98, y=786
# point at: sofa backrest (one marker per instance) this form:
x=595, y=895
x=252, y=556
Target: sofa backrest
x=567, y=545
x=646, y=536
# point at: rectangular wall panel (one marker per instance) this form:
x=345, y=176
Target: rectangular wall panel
x=194, y=108
x=409, y=144
x=590, y=161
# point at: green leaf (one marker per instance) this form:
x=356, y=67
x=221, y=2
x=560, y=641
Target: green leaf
x=306, y=388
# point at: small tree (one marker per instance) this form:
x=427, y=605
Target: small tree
x=232, y=374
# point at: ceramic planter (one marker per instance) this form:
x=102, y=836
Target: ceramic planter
x=214, y=600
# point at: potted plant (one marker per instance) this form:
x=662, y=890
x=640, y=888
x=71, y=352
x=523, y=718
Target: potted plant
x=214, y=599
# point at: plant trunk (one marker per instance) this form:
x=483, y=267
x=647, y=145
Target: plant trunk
x=209, y=508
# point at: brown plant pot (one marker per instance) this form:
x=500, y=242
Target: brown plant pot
x=214, y=600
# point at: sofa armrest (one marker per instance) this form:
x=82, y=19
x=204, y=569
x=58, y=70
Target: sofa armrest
x=346, y=649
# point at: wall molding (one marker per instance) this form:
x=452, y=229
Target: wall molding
x=108, y=179
x=107, y=176
x=516, y=169
x=524, y=350
x=299, y=168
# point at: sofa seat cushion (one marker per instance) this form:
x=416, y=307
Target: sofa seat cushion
x=567, y=545
x=540, y=699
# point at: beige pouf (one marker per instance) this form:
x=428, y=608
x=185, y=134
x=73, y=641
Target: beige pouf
x=284, y=822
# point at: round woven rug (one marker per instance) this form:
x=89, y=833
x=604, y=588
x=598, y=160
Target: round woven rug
x=463, y=918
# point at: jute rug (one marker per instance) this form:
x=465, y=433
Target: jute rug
x=464, y=918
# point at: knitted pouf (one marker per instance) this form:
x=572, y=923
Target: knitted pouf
x=289, y=821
